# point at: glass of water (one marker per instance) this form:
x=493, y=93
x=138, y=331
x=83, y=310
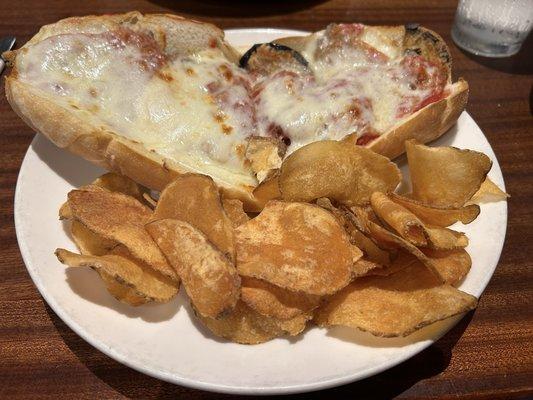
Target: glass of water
x=492, y=28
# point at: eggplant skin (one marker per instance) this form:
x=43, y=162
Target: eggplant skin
x=245, y=59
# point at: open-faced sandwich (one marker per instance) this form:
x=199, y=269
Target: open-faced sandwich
x=154, y=96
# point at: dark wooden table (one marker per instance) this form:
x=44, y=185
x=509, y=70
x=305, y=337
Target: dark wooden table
x=488, y=355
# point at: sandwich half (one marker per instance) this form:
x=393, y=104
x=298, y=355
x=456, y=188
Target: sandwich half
x=155, y=96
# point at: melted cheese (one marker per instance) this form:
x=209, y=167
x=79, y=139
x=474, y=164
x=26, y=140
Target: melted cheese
x=200, y=109
x=169, y=108
x=349, y=91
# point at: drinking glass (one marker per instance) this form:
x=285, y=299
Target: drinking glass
x=492, y=28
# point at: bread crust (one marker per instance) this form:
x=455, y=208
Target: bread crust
x=68, y=129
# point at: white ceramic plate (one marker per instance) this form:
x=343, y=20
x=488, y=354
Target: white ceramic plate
x=166, y=342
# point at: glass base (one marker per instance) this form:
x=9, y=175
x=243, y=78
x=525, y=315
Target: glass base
x=480, y=48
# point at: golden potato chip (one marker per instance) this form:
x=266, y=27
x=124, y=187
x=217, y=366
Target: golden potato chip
x=64, y=211
x=438, y=216
x=114, y=183
x=121, y=291
x=296, y=246
x=120, y=218
x=445, y=176
x=319, y=169
x=404, y=222
x=453, y=265
x=244, y=325
x=235, y=211
x=88, y=242
x=394, y=305
x=195, y=199
x=375, y=173
x=267, y=190
x=293, y=326
x=336, y=170
x=371, y=252
x=488, y=192
x=149, y=200
x=387, y=238
x=400, y=262
x=409, y=227
x=209, y=277
x=143, y=280
x=273, y=301
x=121, y=184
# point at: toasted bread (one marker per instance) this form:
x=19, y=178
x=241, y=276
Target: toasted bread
x=129, y=149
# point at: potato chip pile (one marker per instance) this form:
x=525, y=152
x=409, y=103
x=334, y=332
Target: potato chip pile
x=332, y=245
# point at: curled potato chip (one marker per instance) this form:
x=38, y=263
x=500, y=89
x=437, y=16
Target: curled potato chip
x=444, y=269
x=297, y=246
x=195, y=199
x=114, y=183
x=267, y=190
x=394, y=305
x=120, y=218
x=131, y=274
x=488, y=192
x=387, y=238
x=121, y=291
x=371, y=252
x=445, y=176
x=244, y=325
x=438, y=216
x=404, y=222
x=210, y=279
x=400, y=262
x=149, y=200
x=453, y=265
x=88, y=242
x=336, y=170
x=409, y=227
x=121, y=184
x=273, y=301
x=235, y=211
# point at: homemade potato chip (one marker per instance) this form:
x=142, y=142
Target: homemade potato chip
x=195, y=199
x=400, y=262
x=375, y=173
x=438, y=216
x=235, y=211
x=385, y=237
x=267, y=190
x=121, y=291
x=297, y=246
x=114, y=183
x=408, y=226
x=394, y=305
x=273, y=301
x=404, y=222
x=453, y=265
x=120, y=218
x=121, y=184
x=445, y=176
x=371, y=252
x=319, y=169
x=488, y=192
x=244, y=325
x=209, y=278
x=88, y=242
x=145, y=282
x=336, y=170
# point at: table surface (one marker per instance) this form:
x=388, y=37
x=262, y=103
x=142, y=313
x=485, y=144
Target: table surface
x=488, y=355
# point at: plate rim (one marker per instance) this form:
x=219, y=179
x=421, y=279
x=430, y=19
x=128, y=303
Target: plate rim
x=214, y=387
